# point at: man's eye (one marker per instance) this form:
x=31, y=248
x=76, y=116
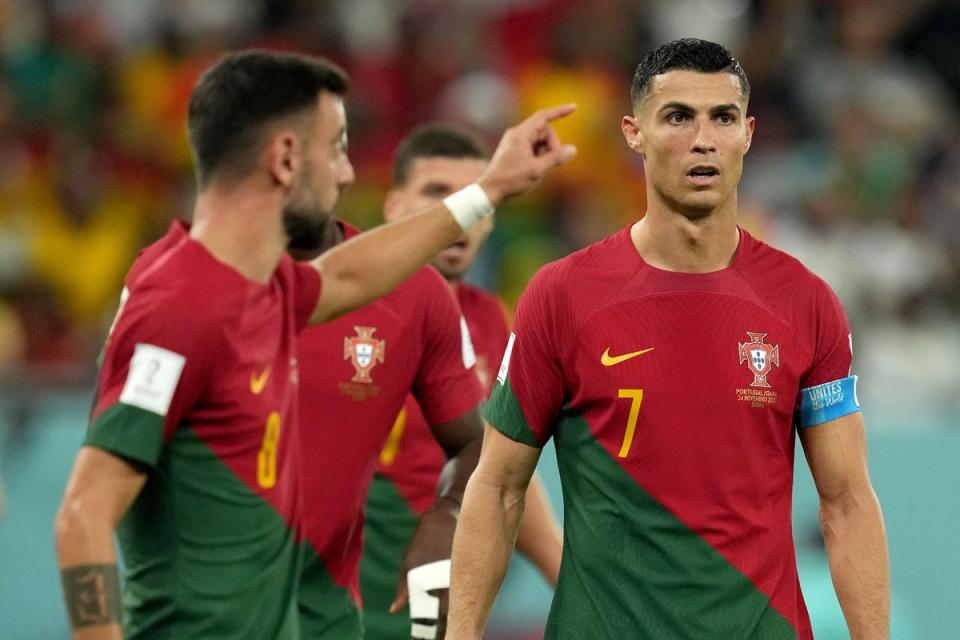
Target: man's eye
x=725, y=118
x=677, y=117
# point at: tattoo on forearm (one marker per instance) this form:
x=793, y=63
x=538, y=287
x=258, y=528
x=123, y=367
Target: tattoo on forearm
x=92, y=594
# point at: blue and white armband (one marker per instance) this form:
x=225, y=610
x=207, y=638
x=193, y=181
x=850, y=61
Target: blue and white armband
x=828, y=401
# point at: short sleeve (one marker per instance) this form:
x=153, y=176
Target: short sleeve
x=155, y=365
x=530, y=387
x=833, y=346
x=446, y=384
x=307, y=284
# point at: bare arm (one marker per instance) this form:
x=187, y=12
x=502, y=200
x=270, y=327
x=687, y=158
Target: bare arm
x=372, y=264
x=539, y=535
x=460, y=440
x=852, y=524
x=487, y=530
x=101, y=489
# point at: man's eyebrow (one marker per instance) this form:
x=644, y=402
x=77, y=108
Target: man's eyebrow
x=678, y=106
x=721, y=108
x=435, y=187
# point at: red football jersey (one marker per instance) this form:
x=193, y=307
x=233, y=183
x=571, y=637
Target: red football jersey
x=356, y=373
x=198, y=383
x=412, y=461
x=671, y=399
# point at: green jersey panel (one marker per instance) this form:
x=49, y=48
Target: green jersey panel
x=631, y=569
x=389, y=529
x=190, y=545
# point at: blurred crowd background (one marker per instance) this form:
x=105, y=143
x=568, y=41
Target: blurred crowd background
x=855, y=166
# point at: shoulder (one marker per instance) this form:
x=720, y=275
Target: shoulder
x=150, y=254
x=186, y=288
x=773, y=271
x=478, y=299
x=570, y=288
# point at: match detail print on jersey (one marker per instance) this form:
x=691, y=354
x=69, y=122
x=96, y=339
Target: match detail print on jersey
x=152, y=379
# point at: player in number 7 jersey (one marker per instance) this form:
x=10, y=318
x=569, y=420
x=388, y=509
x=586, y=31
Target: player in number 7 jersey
x=191, y=453
x=674, y=364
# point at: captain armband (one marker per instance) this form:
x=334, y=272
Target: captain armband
x=469, y=205
x=828, y=401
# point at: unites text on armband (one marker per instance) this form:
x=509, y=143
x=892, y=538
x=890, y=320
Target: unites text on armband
x=825, y=395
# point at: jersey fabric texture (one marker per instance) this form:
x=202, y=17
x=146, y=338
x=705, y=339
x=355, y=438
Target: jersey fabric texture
x=405, y=484
x=198, y=388
x=356, y=373
x=672, y=400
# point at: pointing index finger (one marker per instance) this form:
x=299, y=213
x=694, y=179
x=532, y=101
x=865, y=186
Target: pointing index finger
x=550, y=114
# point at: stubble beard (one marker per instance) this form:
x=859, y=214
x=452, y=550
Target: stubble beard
x=305, y=227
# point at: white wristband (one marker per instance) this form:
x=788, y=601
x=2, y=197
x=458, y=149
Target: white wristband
x=425, y=607
x=469, y=205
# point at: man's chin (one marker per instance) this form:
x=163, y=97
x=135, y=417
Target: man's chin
x=449, y=269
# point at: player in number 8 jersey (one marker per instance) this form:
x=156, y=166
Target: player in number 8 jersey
x=673, y=364
x=189, y=454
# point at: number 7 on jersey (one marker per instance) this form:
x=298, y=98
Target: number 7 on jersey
x=636, y=397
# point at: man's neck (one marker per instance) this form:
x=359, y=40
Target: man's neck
x=674, y=242
x=241, y=227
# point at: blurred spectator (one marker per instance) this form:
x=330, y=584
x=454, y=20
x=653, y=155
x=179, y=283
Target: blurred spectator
x=854, y=165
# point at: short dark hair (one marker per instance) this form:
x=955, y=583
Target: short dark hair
x=438, y=140
x=244, y=91
x=688, y=54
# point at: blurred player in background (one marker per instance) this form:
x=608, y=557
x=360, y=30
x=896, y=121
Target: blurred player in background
x=674, y=363
x=430, y=164
x=191, y=454
x=355, y=374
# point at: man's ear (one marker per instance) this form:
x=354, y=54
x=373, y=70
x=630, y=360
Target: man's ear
x=751, y=123
x=632, y=134
x=392, y=206
x=284, y=158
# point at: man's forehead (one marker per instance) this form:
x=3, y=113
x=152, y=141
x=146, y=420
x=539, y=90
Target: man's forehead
x=441, y=167
x=331, y=110
x=694, y=88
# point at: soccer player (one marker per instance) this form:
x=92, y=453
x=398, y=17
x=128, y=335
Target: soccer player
x=433, y=162
x=674, y=363
x=191, y=453
x=355, y=374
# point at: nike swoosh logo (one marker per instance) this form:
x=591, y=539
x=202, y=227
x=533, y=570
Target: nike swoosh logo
x=258, y=382
x=608, y=361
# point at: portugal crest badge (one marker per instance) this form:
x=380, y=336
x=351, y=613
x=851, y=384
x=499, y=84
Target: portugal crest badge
x=364, y=351
x=759, y=356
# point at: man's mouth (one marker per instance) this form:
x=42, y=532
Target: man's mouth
x=703, y=174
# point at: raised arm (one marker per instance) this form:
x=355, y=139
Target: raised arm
x=373, y=263
x=487, y=530
x=852, y=524
x=101, y=489
x=539, y=536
